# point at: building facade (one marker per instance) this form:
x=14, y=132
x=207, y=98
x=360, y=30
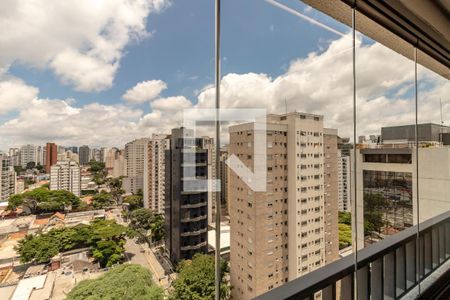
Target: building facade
x=135, y=154
x=186, y=209
x=51, y=156
x=66, y=175
x=8, y=179
x=27, y=154
x=278, y=235
x=331, y=195
x=154, y=173
x=84, y=155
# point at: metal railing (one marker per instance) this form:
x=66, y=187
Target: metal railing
x=388, y=269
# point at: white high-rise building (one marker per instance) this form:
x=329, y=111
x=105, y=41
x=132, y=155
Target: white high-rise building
x=28, y=153
x=344, y=182
x=66, y=175
x=134, y=154
x=40, y=155
x=7, y=178
x=14, y=157
x=154, y=173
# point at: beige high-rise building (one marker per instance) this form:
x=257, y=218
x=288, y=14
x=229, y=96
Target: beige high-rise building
x=278, y=235
x=134, y=154
x=154, y=172
x=66, y=175
x=331, y=196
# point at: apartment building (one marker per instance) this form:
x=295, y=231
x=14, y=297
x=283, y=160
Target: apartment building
x=154, y=172
x=134, y=154
x=40, y=155
x=278, y=235
x=331, y=195
x=14, y=157
x=66, y=175
x=28, y=153
x=51, y=156
x=224, y=179
x=207, y=143
x=8, y=179
x=84, y=155
x=344, y=178
x=186, y=208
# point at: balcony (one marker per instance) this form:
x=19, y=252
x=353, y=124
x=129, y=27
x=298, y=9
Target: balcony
x=193, y=247
x=192, y=233
x=195, y=205
x=389, y=269
x=189, y=219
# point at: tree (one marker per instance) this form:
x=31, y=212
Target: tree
x=43, y=200
x=98, y=171
x=102, y=200
x=40, y=168
x=345, y=217
x=18, y=169
x=127, y=282
x=345, y=235
x=115, y=186
x=134, y=202
x=31, y=165
x=157, y=228
x=106, y=239
x=96, y=167
x=196, y=279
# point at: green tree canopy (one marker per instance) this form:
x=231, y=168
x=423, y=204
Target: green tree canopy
x=134, y=202
x=102, y=200
x=345, y=217
x=127, y=282
x=196, y=279
x=345, y=235
x=31, y=165
x=115, y=186
x=106, y=238
x=43, y=200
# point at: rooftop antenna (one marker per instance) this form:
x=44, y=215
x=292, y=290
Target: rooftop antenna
x=285, y=104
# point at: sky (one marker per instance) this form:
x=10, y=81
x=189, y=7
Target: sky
x=104, y=72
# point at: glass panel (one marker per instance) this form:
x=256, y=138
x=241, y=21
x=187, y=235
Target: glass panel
x=384, y=180
x=296, y=63
x=433, y=90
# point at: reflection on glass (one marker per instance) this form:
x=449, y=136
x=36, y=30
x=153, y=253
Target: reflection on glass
x=387, y=204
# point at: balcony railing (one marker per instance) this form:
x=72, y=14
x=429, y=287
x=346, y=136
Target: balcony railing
x=389, y=269
x=193, y=247
x=194, y=219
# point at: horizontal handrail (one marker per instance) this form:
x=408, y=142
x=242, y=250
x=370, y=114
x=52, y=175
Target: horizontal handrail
x=328, y=275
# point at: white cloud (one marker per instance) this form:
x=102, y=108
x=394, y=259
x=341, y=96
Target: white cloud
x=144, y=91
x=15, y=95
x=58, y=120
x=171, y=104
x=82, y=41
x=321, y=83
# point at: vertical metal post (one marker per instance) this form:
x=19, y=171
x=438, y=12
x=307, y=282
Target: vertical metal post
x=217, y=154
x=354, y=204
x=416, y=129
